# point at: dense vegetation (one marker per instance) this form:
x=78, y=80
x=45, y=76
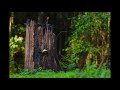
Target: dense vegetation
x=90, y=41
x=86, y=50
x=89, y=72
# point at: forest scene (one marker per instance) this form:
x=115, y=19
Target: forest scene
x=60, y=45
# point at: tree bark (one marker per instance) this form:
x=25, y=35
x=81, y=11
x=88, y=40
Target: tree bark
x=29, y=43
x=41, y=47
x=11, y=22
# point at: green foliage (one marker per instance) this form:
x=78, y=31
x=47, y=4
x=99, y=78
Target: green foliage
x=16, y=40
x=15, y=44
x=90, y=22
x=18, y=30
x=89, y=72
x=83, y=38
x=21, y=29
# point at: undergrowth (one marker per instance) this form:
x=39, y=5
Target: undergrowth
x=88, y=72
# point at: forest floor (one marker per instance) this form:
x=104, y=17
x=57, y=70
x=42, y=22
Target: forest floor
x=69, y=74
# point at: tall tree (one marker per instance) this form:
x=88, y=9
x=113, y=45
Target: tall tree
x=11, y=22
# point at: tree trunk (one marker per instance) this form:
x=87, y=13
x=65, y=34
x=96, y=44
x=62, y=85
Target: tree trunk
x=29, y=45
x=44, y=53
x=11, y=22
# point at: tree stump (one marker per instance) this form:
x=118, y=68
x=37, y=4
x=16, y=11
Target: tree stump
x=40, y=47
